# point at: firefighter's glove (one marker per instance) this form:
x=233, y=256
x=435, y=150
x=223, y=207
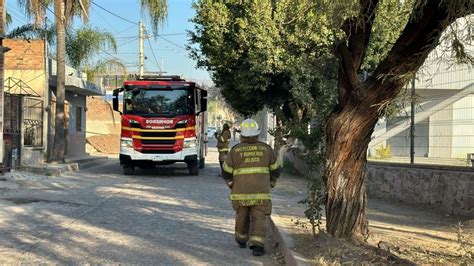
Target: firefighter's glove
x=273, y=183
x=229, y=183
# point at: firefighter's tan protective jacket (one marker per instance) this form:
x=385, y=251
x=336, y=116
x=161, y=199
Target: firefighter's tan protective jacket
x=223, y=141
x=251, y=170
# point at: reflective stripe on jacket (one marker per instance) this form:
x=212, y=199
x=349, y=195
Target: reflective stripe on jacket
x=223, y=141
x=250, y=168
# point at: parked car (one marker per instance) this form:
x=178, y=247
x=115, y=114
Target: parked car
x=210, y=132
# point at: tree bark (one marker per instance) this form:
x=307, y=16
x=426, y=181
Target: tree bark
x=348, y=136
x=59, y=146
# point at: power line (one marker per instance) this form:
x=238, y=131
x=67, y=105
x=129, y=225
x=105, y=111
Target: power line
x=154, y=35
x=154, y=56
x=133, y=26
x=103, y=18
x=169, y=34
x=173, y=43
x=113, y=14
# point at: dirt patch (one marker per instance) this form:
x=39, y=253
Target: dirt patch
x=105, y=143
x=399, y=234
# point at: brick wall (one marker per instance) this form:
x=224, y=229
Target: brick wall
x=103, y=126
x=24, y=55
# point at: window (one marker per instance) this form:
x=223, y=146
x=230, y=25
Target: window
x=78, y=119
x=159, y=102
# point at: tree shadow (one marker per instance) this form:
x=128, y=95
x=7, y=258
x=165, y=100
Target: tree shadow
x=102, y=218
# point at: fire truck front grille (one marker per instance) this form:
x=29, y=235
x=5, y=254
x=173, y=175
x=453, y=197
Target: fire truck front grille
x=158, y=141
x=158, y=134
x=158, y=151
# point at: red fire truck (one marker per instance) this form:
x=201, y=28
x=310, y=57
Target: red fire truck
x=163, y=122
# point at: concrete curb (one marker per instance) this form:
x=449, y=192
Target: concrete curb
x=52, y=168
x=284, y=242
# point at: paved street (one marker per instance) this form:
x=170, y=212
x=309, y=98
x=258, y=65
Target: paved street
x=158, y=216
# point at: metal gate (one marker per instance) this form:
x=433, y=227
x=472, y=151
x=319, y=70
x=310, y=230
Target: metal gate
x=33, y=122
x=12, y=130
x=23, y=109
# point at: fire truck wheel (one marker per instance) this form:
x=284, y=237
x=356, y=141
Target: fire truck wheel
x=193, y=168
x=202, y=162
x=128, y=170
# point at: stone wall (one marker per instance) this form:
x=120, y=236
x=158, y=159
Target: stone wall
x=449, y=189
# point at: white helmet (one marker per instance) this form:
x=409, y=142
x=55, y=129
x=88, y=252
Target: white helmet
x=249, y=128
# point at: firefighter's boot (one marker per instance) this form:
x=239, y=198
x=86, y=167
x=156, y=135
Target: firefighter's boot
x=258, y=250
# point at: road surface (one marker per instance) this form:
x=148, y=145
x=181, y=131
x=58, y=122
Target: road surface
x=158, y=216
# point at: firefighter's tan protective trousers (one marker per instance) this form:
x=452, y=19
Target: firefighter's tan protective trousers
x=250, y=222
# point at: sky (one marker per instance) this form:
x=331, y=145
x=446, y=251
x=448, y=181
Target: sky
x=167, y=50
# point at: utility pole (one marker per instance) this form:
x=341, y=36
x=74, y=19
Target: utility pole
x=141, y=57
x=412, y=123
x=162, y=65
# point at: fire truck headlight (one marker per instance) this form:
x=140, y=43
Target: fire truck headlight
x=132, y=121
x=128, y=143
x=189, y=143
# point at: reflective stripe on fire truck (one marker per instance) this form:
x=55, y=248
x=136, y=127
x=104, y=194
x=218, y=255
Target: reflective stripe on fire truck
x=158, y=130
x=157, y=138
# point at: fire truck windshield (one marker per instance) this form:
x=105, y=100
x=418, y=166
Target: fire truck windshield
x=159, y=102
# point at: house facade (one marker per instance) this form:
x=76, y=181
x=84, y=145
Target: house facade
x=30, y=103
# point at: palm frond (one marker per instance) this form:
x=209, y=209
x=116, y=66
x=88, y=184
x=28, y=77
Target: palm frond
x=27, y=32
x=77, y=8
x=157, y=11
x=104, y=67
x=35, y=9
x=8, y=19
x=84, y=43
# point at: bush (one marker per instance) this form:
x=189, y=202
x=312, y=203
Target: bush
x=382, y=152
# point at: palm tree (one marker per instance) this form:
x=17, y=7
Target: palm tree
x=2, y=31
x=84, y=43
x=64, y=12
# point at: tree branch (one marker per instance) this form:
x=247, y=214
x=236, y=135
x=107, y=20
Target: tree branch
x=348, y=80
x=420, y=36
x=360, y=30
x=351, y=54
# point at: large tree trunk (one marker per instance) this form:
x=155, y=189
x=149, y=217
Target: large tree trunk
x=59, y=134
x=348, y=136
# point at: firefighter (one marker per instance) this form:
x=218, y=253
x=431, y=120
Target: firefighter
x=223, y=141
x=250, y=171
